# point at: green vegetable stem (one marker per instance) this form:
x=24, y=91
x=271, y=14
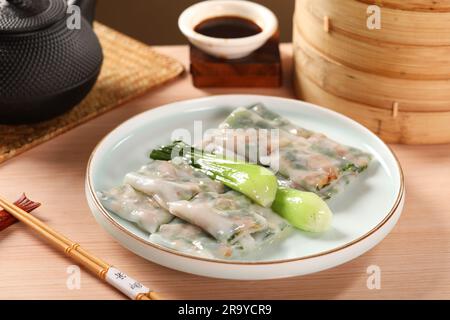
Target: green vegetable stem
x=254, y=181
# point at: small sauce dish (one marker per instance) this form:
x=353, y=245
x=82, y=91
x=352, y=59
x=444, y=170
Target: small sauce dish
x=228, y=48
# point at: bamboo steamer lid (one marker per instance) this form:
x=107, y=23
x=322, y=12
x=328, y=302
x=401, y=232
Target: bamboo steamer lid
x=397, y=26
x=413, y=5
x=371, y=55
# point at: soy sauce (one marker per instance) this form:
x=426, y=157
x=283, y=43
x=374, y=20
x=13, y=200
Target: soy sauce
x=228, y=27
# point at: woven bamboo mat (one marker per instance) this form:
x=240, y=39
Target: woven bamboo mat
x=129, y=70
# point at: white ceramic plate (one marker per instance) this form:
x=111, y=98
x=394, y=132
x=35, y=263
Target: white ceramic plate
x=365, y=212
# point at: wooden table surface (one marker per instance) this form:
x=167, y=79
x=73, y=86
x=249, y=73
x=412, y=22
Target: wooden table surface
x=414, y=259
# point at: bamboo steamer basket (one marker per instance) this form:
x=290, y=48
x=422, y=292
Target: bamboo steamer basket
x=392, y=127
x=368, y=88
x=397, y=88
x=392, y=59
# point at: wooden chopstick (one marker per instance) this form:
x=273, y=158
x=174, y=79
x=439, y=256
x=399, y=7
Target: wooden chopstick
x=103, y=270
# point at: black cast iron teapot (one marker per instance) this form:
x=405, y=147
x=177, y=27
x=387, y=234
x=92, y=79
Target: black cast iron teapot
x=48, y=62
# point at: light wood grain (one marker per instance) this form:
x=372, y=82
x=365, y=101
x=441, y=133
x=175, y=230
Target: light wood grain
x=414, y=258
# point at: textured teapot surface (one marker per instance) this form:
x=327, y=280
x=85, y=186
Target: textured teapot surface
x=18, y=16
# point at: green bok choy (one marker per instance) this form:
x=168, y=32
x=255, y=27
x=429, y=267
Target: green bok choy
x=256, y=182
x=304, y=210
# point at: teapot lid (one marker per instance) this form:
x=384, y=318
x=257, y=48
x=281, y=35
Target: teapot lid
x=19, y=16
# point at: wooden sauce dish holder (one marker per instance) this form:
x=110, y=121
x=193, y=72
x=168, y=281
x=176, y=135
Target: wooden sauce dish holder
x=262, y=68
